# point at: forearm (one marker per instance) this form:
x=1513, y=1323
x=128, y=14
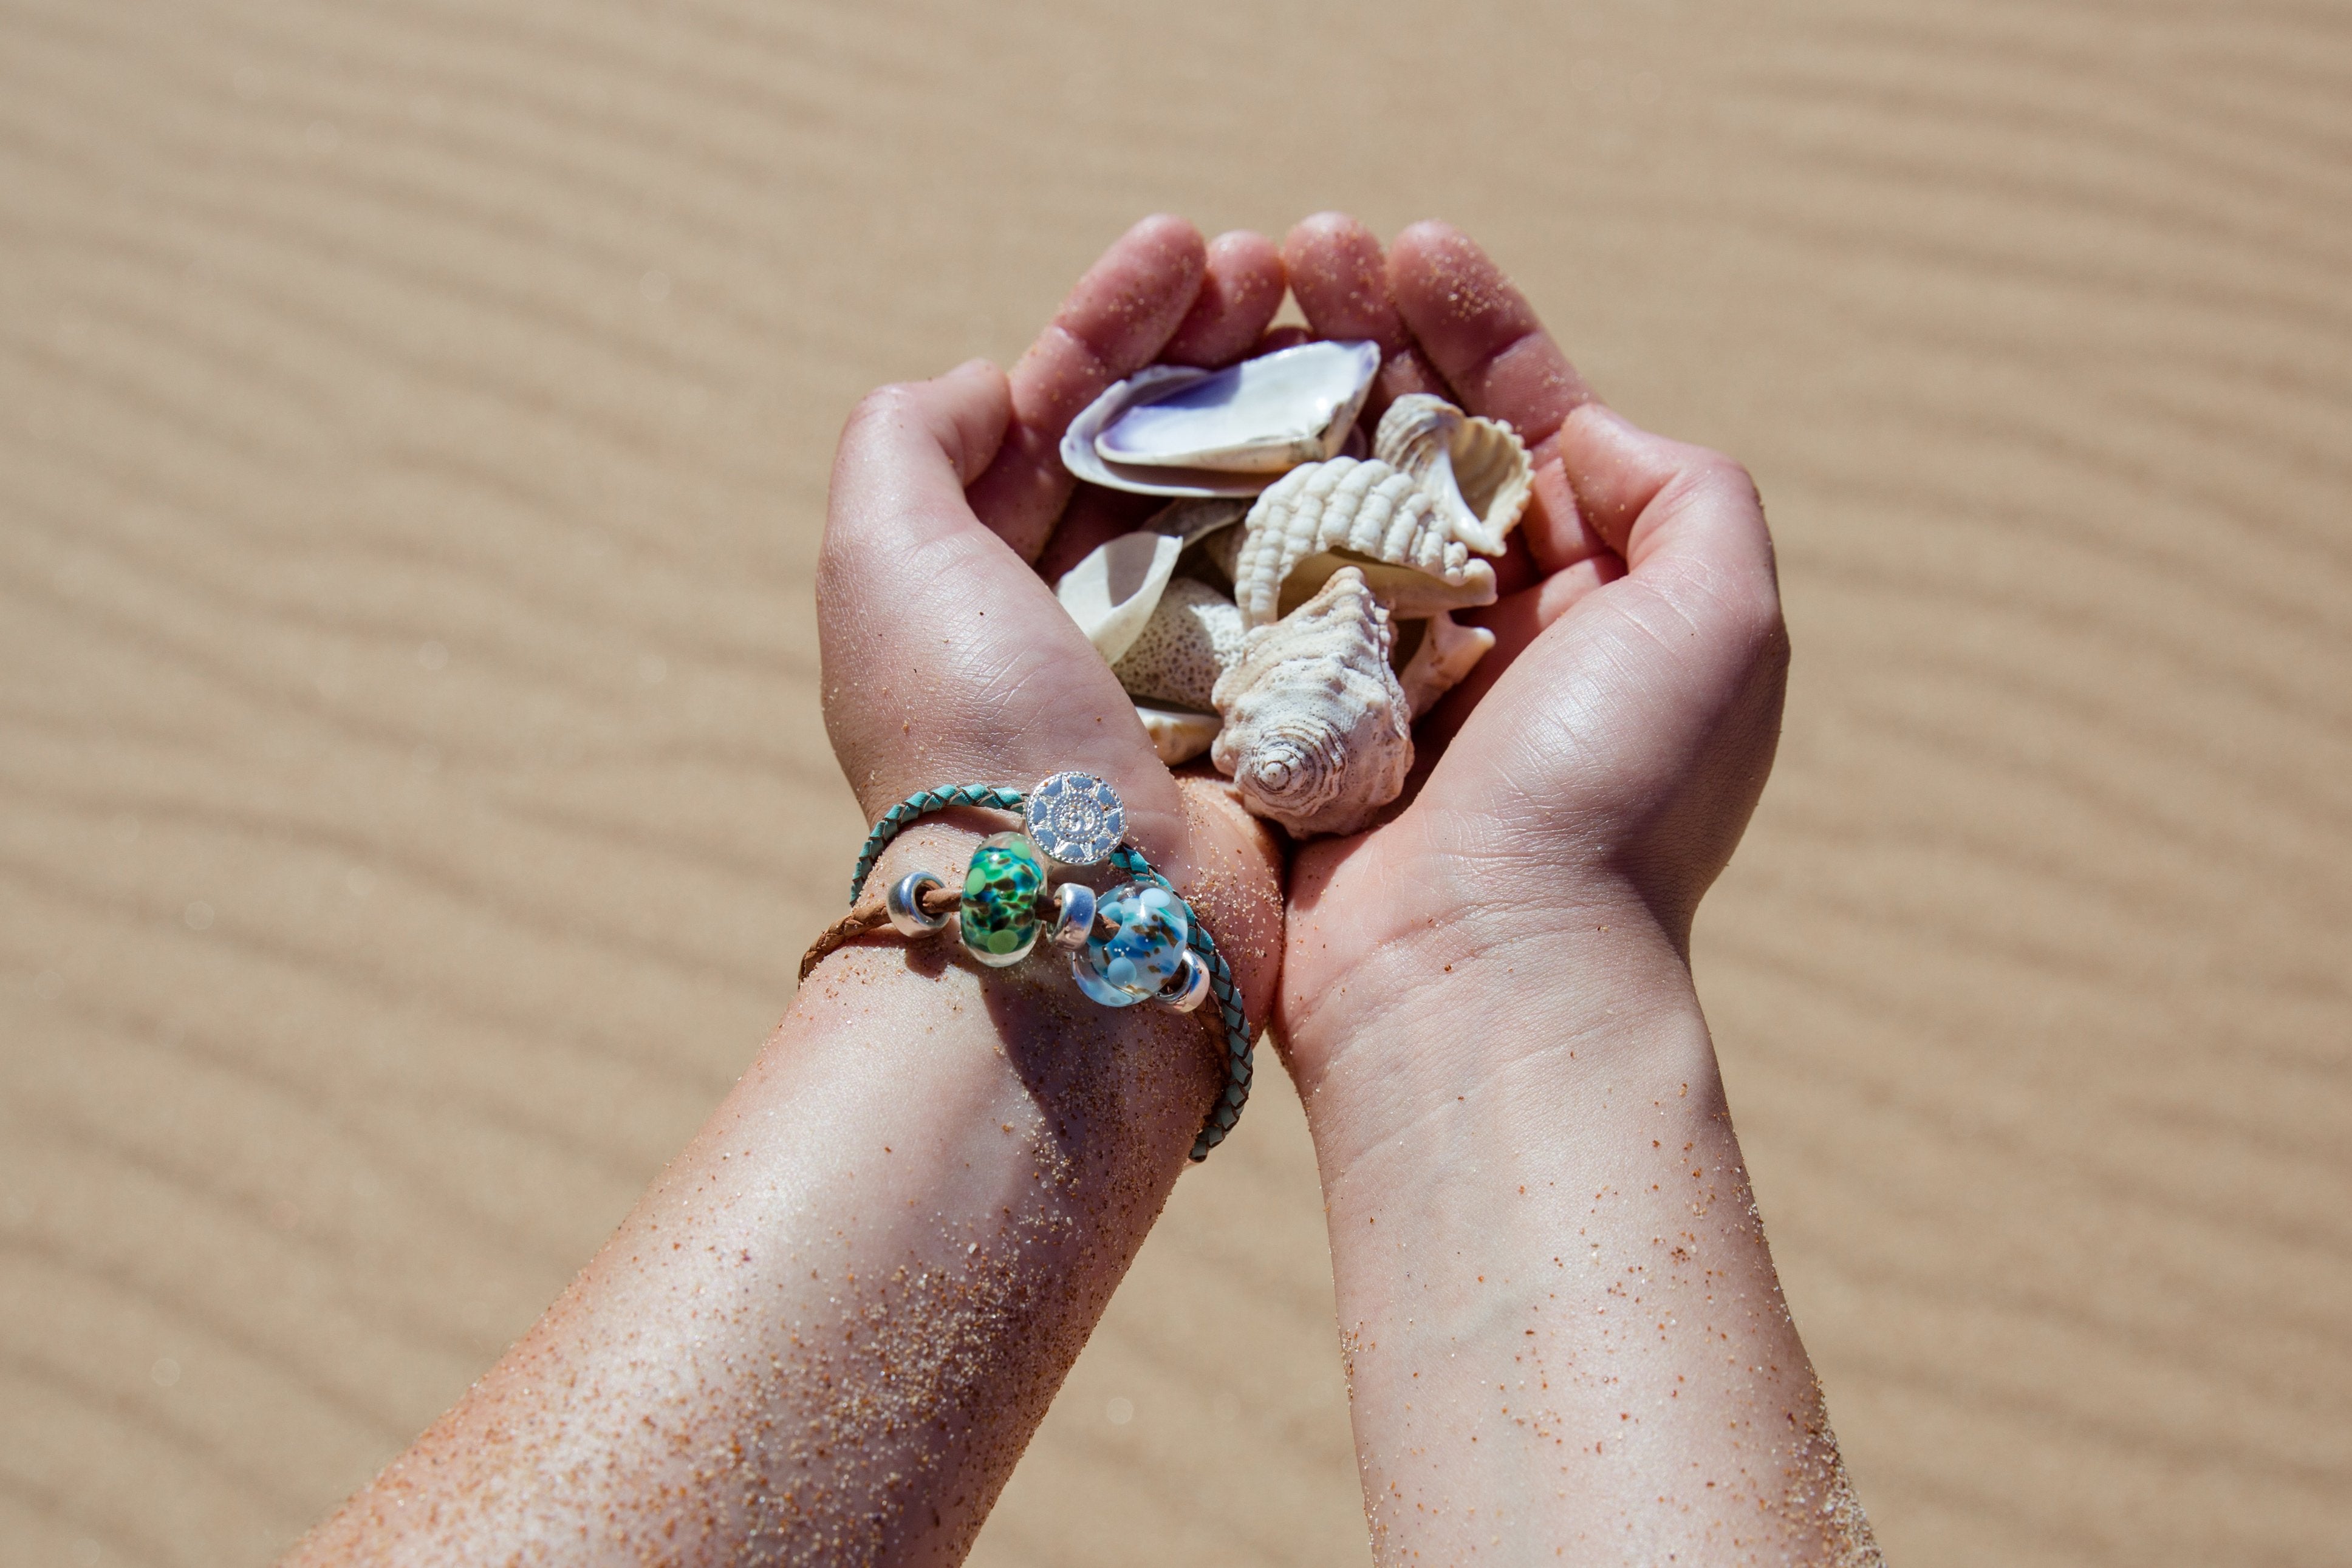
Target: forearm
x=829, y=1329
x=1562, y=1320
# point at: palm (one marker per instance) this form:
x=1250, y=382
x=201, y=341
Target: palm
x=1610, y=749
x=947, y=659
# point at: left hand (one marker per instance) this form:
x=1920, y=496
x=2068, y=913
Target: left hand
x=947, y=658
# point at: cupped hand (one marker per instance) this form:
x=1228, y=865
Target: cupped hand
x=1595, y=773
x=947, y=659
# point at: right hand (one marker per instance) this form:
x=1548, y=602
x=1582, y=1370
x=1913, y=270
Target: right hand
x=1595, y=772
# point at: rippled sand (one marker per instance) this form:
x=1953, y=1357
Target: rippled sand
x=413, y=423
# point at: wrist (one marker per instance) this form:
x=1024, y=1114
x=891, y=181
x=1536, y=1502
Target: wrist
x=1468, y=1012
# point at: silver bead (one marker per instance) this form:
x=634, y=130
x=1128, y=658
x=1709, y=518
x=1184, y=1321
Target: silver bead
x=1075, y=818
x=1074, y=914
x=905, y=905
x=1189, y=989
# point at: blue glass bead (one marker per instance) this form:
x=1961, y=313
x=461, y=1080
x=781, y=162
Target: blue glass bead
x=1144, y=950
x=1001, y=894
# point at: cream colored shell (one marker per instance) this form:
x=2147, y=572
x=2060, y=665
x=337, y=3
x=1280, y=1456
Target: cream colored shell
x=1194, y=636
x=1365, y=509
x=1112, y=593
x=1446, y=652
x=1176, y=735
x=1317, y=735
x=1477, y=471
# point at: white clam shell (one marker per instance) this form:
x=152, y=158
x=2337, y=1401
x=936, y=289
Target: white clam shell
x=1447, y=652
x=1368, y=509
x=1112, y=593
x=1172, y=430
x=1178, y=736
x=1476, y=470
x=1194, y=635
x=1317, y=734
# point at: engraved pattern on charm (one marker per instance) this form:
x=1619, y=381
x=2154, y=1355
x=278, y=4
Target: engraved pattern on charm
x=1002, y=891
x=1144, y=951
x=1075, y=817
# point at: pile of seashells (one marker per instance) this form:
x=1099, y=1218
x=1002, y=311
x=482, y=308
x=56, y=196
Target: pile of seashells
x=1290, y=611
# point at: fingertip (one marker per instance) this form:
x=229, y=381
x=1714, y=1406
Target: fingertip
x=1339, y=277
x=1242, y=285
x=1174, y=237
x=1479, y=330
x=976, y=400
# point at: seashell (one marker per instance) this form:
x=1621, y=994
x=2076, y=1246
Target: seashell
x=1178, y=736
x=1447, y=652
x=1368, y=509
x=1317, y=734
x=1195, y=519
x=1173, y=430
x=1408, y=594
x=1476, y=470
x=1112, y=593
x=1194, y=636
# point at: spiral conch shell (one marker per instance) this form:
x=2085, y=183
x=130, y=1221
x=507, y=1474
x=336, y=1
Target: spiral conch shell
x=1475, y=471
x=1317, y=735
x=1369, y=510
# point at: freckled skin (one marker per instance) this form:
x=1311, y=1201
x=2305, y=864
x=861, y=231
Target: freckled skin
x=828, y=1331
x=1564, y=1336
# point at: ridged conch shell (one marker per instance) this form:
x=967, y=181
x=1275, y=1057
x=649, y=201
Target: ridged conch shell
x=1173, y=430
x=1194, y=637
x=1316, y=735
x=1373, y=511
x=1477, y=471
x=1447, y=652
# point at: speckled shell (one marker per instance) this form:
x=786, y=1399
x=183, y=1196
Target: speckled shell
x=1317, y=735
x=1446, y=652
x=1194, y=635
x=1477, y=471
x=1365, y=508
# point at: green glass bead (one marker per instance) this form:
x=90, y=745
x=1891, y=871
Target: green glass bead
x=1002, y=892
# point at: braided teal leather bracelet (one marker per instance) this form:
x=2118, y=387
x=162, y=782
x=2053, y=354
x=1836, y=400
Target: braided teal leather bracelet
x=1140, y=942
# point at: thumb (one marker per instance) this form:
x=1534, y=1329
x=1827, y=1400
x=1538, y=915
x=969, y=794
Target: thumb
x=947, y=659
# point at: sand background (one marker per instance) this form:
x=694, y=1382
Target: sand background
x=413, y=424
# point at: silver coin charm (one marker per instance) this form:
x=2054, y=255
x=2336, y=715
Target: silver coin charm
x=1075, y=818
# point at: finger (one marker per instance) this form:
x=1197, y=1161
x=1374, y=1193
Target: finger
x=1112, y=325
x=1480, y=332
x=1277, y=338
x=1240, y=291
x=1341, y=281
x=1665, y=503
x=1482, y=335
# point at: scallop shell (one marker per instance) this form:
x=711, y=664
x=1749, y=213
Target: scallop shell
x=1173, y=430
x=1369, y=510
x=1194, y=635
x=1447, y=652
x=1176, y=735
x=1317, y=734
x=1476, y=470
